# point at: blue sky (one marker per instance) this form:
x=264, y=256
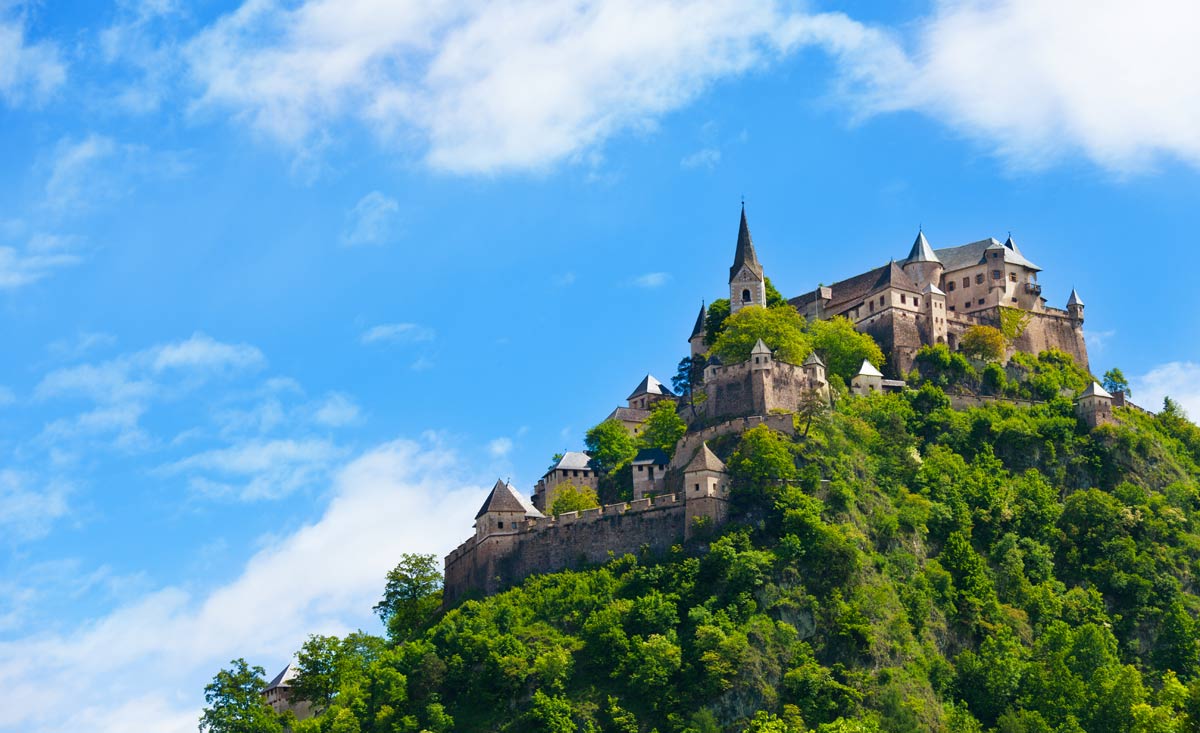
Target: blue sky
x=284, y=286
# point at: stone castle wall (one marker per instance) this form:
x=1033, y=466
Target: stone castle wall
x=686, y=449
x=1050, y=328
x=573, y=540
x=740, y=390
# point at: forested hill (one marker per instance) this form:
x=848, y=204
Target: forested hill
x=903, y=567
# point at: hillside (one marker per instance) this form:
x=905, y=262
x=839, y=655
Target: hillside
x=902, y=567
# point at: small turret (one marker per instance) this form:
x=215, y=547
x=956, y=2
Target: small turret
x=1094, y=406
x=814, y=369
x=1075, y=306
x=747, y=284
x=503, y=512
x=696, y=340
x=760, y=356
x=922, y=263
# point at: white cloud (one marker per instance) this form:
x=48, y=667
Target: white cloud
x=29, y=506
x=336, y=411
x=565, y=279
x=258, y=469
x=203, y=352
x=651, y=280
x=1179, y=380
x=95, y=169
x=1033, y=80
x=371, y=221
x=500, y=447
x=38, y=258
x=482, y=87
x=81, y=344
x=156, y=653
x=397, y=333
x=703, y=158
x=28, y=71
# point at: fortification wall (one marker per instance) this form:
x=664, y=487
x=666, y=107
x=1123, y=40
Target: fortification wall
x=686, y=449
x=739, y=390
x=571, y=540
x=1054, y=329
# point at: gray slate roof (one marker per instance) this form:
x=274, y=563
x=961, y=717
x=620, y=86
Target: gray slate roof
x=574, y=460
x=956, y=258
x=868, y=370
x=504, y=498
x=282, y=679
x=698, y=329
x=629, y=414
x=1095, y=390
x=813, y=359
x=760, y=347
x=745, y=254
x=655, y=456
x=704, y=460
x=921, y=251
x=895, y=277
x=650, y=385
x=1074, y=299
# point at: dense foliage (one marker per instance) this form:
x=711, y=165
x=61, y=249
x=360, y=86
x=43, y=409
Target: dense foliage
x=571, y=498
x=904, y=567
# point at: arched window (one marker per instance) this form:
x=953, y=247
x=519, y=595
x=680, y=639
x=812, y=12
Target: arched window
x=746, y=295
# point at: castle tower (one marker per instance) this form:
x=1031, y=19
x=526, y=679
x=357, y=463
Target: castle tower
x=503, y=512
x=696, y=340
x=814, y=370
x=760, y=356
x=922, y=264
x=1094, y=406
x=935, y=312
x=1075, y=306
x=705, y=489
x=747, y=284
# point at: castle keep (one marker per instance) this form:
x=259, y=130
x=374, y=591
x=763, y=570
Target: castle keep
x=932, y=296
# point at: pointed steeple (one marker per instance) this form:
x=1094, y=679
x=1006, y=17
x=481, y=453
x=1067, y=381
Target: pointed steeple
x=921, y=251
x=505, y=499
x=698, y=329
x=745, y=256
x=1074, y=299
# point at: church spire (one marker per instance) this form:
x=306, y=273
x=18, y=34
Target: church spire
x=698, y=329
x=745, y=256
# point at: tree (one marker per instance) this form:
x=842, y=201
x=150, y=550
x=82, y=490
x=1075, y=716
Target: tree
x=781, y=329
x=813, y=404
x=610, y=445
x=689, y=375
x=663, y=428
x=983, y=342
x=571, y=498
x=412, y=595
x=236, y=704
x=1114, y=381
x=842, y=347
x=317, y=671
x=763, y=460
x=714, y=320
x=774, y=298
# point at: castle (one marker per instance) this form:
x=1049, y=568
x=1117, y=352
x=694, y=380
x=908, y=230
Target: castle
x=930, y=297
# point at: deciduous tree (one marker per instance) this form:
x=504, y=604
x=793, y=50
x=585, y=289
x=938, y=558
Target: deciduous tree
x=235, y=702
x=412, y=595
x=781, y=329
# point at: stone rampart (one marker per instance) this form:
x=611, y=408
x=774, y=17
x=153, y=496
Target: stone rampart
x=686, y=449
x=572, y=540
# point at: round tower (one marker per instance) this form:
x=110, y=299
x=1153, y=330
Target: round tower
x=922, y=263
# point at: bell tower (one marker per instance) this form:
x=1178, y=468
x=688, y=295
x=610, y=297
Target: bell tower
x=747, y=284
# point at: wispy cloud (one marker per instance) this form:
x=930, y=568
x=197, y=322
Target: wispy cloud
x=29, y=71
x=500, y=447
x=337, y=410
x=39, y=257
x=323, y=578
x=402, y=333
x=371, y=221
x=257, y=469
x=93, y=170
x=703, y=158
x=1179, y=380
x=651, y=280
x=29, y=505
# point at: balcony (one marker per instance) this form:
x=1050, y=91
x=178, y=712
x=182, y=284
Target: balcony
x=1034, y=288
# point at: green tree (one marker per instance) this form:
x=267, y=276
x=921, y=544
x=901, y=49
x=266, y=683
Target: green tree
x=1114, y=381
x=842, y=347
x=235, y=702
x=412, y=595
x=774, y=297
x=571, y=498
x=689, y=376
x=663, y=428
x=812, y=406
x=714, y=320
x=763, y=460
x=983, y=342
x=610, y=445
x=317, y=671
x=781, y=329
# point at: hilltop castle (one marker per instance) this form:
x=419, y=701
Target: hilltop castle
x=932, y=296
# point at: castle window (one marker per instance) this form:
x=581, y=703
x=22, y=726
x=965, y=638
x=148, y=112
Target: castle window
x=903, y=298
x=997, y=275
x=1012, y=277
x=950, y=286
x=951, y=307
x=881, y=300
x=966, y=282
x=917, y=302
x=746, y=295
x=641, y=468
x=995, y=255
x=500, y=524
x=697, y=487
x=981, y=301
x=979, y=279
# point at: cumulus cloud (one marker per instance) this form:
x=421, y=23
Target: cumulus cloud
x=257, y=469
x=155, y=653
x=1179, y=380
x=500, y=447
x=371, y=221
x=28, y=71
x=337, y=410
x=397, y=333
x=484, y=87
